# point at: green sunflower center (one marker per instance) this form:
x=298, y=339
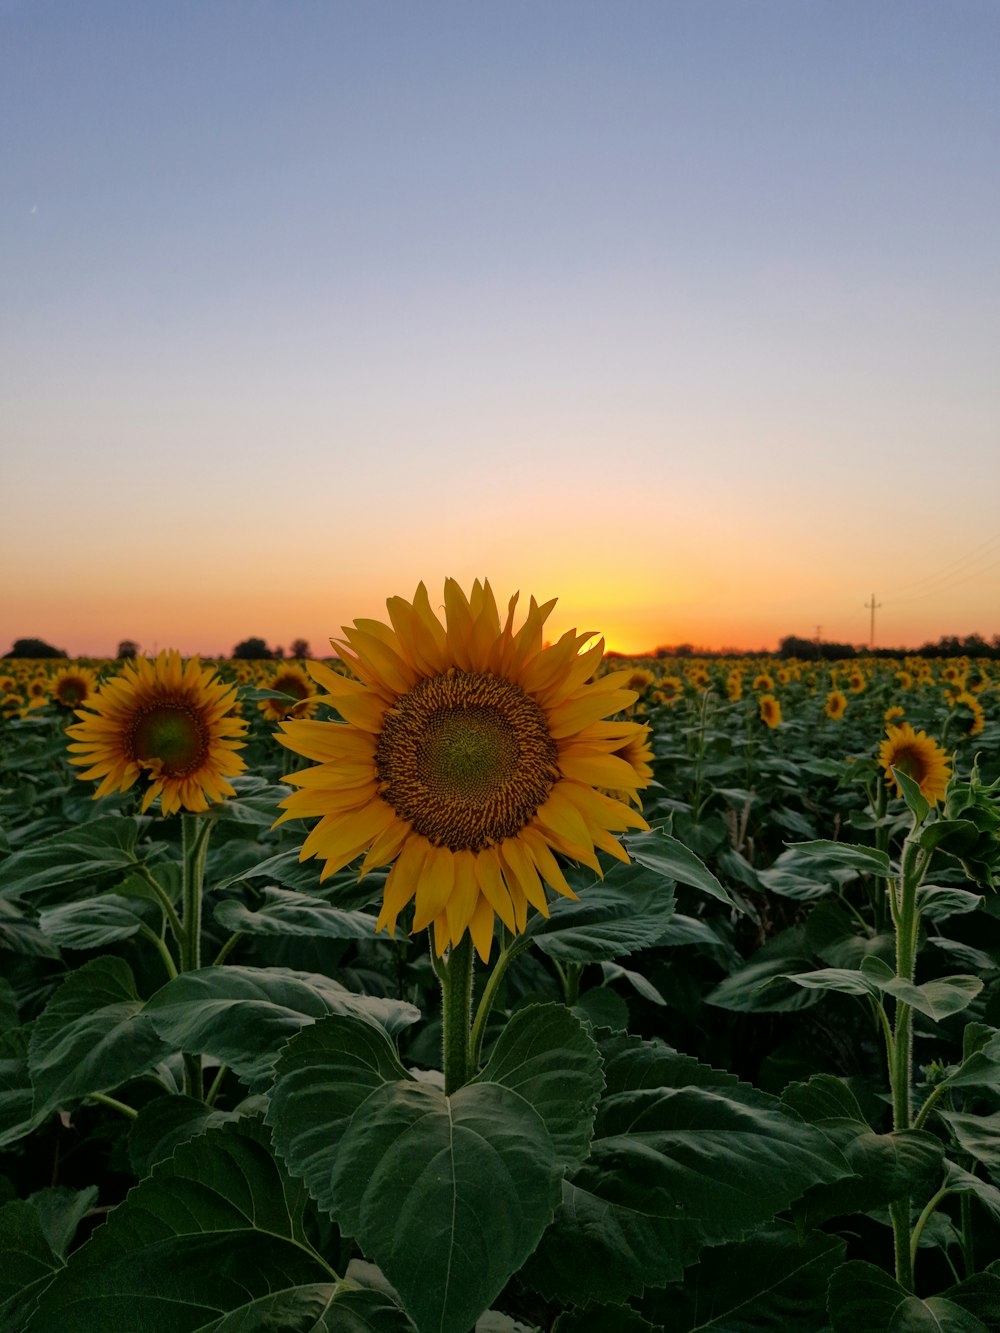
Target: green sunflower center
x=172, y=734
x=466, y=758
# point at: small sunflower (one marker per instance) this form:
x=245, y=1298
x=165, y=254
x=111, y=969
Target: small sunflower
x=73, y=686
x=893, y=713
x=918, y=756
x=856, y=682
x=734, y=686
x=763, y=681
x=289, y=679
x=469, y=755
x=166, y=721
x=836, y=704
x=970, y=711
x=770, y=710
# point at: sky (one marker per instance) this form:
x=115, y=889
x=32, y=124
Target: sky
x=686, y=312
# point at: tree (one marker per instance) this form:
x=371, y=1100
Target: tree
x=252, y=650
x=127, y=648
x=35, y=648
x=300, y=648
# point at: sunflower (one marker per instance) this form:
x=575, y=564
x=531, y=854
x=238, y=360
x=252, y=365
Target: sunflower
x=73, y=685
x=891, y=714
x=289, y=679
x=918, y=756
x=168, y=722
x=970, y=710
x=856, y=681
x=469, y=754
x=734, y=686
x=770, y=710
x=836, y=704
x=763, y=681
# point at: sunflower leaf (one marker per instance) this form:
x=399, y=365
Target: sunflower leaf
x=775, y=1279
x=92, y=1036
x=80, y=853
x=213, y=1239
x=243, y=1015
x=285, y=912
x=657, y=850
x=683, y=1156
x=629, y=909
x=447, y=1194
x=860, y=1295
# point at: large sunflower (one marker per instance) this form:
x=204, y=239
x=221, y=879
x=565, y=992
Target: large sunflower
x=918, y=756
x=469, y=754
x=164, y=720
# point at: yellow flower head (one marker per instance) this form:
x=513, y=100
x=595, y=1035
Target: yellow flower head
x=918, y=756
x=836, y=704
x=763, y=681
x=165, y=721
x=770, y=710
x=970, y=710
x=73, y=685
x=289, y=679
x=469, y=755
x=891, y=714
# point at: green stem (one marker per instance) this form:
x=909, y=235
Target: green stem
x=227, y=948
x=115, y=1104
x=925, y=1110
x=194, y=835
x=213, y=1091
x=907, y=920
x=161, y=948
x=488, y=997
x=194, y=840
x=456, y=1014
x=574, y=972
x=164, y=900
x=921, y=1222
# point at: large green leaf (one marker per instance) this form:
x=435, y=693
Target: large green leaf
x=886, y=1166
x=92, y=1036
x=79, y=853
x=34, y=1235
x=547, y=1058
x=861, y=1296
x=936, y=999
x=18, y=1116
x=683, y=1157
x=978, y=1135
x=96, y=921
x=659, y=851
x=165, y=1122
x=285, y=912
x=773, y=1280
x=243, y=1015
x=861, y=860
x=213, y=1242
x=761, y=985
x=629, y=910
x=448, y=1195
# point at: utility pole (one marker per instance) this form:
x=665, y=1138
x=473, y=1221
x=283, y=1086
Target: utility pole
x=872, y=606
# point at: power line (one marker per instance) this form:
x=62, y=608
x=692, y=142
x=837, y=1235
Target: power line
x=952, y=567
x=948, y=584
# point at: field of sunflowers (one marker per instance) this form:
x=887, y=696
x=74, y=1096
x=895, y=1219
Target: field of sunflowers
x=467, y=980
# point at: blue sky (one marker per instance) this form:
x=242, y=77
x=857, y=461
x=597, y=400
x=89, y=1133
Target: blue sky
x=685, y=312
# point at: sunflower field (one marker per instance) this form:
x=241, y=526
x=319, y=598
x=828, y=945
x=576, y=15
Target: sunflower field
x=471, y=981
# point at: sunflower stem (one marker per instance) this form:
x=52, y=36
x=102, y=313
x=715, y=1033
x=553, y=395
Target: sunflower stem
x=194, y=841
x=456, y=1014
x=489, y=995
x=907, y=921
